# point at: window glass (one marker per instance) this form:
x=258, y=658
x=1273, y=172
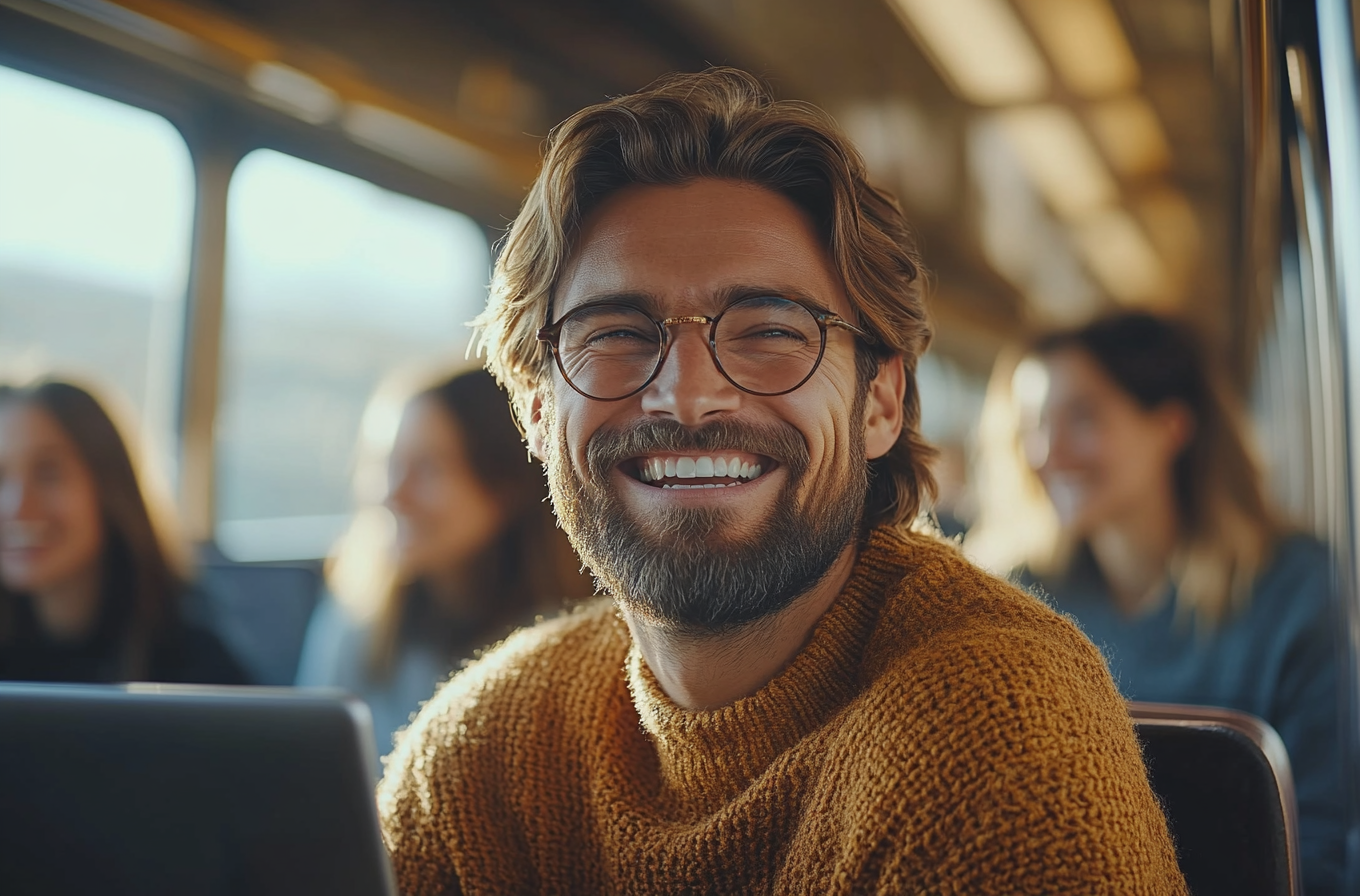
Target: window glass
x=96, y=208
x=332, y=283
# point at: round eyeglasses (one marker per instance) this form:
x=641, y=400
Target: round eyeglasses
x=764, y=345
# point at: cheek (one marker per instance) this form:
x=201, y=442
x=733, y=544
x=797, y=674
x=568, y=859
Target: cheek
x=569, y=425
x=437, y=509
x=1087, y=448
x=825, y=413
x=422, y=517
x=1093, y=447
x=1114, y=463
x=1144, y=463
x=79, y=525
x=467, y=526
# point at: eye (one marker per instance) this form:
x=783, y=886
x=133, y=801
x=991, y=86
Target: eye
x=609, y=329
x=619, y=334
x=773, y=331
x=768, y=324
x=48, y=471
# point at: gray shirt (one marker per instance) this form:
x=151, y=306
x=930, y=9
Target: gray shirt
x=1281, y=659
x=334, y=654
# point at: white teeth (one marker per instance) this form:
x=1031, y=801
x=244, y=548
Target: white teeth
x=704, y=467
x=22, y=536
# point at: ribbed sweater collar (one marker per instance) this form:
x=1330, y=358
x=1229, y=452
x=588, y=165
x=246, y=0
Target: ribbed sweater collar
x=708, y=757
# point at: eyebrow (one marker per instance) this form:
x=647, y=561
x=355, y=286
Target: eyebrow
x=641, y=300
x=728, y=295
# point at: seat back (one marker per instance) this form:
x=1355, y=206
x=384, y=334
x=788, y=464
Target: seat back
x=261, y=612
x=1223, y=779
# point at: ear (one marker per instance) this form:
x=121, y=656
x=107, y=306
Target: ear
x=883, y=408
x=1178, y=424
x=533, y=425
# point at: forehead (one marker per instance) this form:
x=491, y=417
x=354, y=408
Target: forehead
x=1071, y=375
x=24, y=427
x=686, y=247
x=426, y=425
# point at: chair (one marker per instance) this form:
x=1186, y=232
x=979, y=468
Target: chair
x=1224, y=782
x=261, y=611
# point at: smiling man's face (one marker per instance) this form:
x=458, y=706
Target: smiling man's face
x=788, y=472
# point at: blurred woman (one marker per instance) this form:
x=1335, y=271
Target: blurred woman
x=465, y=551
x=88, y=590
x=1152, y=529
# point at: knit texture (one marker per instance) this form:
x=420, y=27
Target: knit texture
x=942, y=732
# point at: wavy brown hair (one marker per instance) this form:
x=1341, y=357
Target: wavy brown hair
x=722, y=123
x=143, y=572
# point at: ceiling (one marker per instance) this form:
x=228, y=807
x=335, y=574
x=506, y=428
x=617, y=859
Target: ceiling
x=1009, y=253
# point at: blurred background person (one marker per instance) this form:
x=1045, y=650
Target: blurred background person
x=953, y=507
x=1118, y=481
x=90, y=590
x=463, y=550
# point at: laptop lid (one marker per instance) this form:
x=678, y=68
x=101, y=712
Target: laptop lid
x=165, y=789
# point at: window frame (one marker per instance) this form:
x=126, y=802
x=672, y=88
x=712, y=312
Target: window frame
x=122, y=56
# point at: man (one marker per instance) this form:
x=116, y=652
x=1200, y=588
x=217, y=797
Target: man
x=709, y=323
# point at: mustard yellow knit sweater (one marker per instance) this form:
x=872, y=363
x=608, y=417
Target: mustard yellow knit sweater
x=942, y=732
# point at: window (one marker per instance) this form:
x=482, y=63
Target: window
x=96, y=208
x=332, y=283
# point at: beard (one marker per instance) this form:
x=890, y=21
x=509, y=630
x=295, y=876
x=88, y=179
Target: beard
x=688, y=568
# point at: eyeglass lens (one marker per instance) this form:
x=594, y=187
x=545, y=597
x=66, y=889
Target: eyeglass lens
x=764, y=345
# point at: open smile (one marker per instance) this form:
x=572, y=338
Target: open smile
x=24, y=536
x=724, y=469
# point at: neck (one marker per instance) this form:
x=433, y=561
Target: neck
x=448, y=588
x=1133, y=552
x=709, y=672
x=67, y=611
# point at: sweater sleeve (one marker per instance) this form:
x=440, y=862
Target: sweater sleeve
x=1041, y=785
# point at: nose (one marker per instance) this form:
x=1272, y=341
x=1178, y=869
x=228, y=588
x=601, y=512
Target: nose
x=397, y=498
x=1057, y=455
x=689, y=388
x=16, y=499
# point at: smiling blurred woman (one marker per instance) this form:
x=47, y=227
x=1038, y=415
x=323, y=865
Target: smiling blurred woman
x=88, y=591
x=462, y=549
x=1117, y=478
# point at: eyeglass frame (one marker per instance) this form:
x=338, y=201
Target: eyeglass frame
x=551, y=333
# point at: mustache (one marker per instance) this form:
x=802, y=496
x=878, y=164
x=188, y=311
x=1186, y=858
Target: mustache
x=608, y=448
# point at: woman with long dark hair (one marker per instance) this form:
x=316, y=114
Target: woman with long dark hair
x=463, y=550
x=89, y=587
x=1118, y=480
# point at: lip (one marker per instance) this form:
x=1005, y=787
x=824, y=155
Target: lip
x=21, y=556
x=31, y=547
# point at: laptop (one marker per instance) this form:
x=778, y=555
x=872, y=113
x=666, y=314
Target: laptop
x=184, y=790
